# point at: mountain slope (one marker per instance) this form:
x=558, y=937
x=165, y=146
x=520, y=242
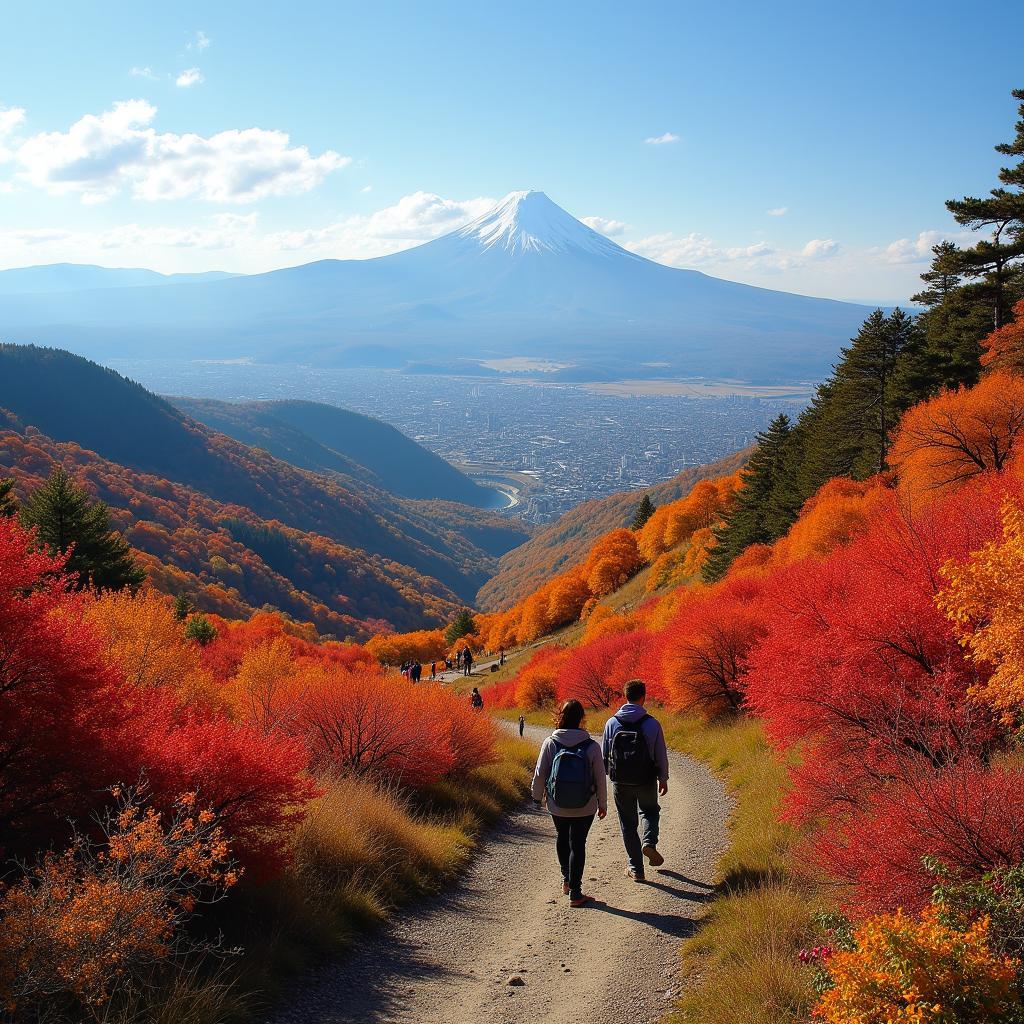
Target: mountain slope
x=567, y=541
x=326, y=439
x=70, y=399
x=525, y=279
x=226, y=558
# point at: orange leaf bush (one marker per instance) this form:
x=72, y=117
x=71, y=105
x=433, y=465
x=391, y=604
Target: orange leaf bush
x=907, y=971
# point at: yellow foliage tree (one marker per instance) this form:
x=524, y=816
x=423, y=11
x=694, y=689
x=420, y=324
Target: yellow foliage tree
x=907, y=971
x=984, y=595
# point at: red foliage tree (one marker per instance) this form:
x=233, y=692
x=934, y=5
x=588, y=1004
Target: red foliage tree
x=596, y=672
x=705, y=647
x=58, y=699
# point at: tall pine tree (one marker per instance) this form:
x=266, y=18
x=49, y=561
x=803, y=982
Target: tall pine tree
x=747, y=523
x=995, y=261
x=65, y=518
x=643, y=512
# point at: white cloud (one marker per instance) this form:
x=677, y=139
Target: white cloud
x=696, y=250
x=188, y=78
x=11, y=118
x=777, y=211
x=418, y=217
x=611, y=228
x=143, y=72
x=820, y=249
x=366, y=188
x=661, y=140
x=103, y=155
x=200, y=42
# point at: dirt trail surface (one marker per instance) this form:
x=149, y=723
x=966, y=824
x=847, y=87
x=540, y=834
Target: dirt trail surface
x=448, y=960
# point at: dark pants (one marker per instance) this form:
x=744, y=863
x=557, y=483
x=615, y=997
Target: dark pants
x=633, y=803
x=571, y=845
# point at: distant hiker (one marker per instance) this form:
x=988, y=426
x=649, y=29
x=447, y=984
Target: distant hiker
x=570, y=776
x=476, y=700
x=448, y=664
x=416, y=672
x=458, y=660
x=433, y=670
x=501, y=656
x=467, y=661
x=522, y=726
x=636, y=760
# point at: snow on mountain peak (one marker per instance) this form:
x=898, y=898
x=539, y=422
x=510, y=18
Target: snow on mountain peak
x=530, y=222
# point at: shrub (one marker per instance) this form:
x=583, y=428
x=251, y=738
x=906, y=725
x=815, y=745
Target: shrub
x=91, y=929
x=907, y=971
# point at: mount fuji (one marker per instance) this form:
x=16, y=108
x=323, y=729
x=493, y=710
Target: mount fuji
x=526, y=280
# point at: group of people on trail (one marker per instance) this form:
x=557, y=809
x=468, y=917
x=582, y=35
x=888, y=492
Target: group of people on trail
x=413, y=671
x=572, y=777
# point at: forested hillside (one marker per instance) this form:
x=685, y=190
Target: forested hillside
x=326, y=439
x=565, y=543
x=69, y=399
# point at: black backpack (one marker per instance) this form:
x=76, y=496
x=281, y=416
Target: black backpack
x=630, y=761
x=571, y=782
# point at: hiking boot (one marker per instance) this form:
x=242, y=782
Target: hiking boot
x=637, y=876
x=656, y=859
x=581, y=901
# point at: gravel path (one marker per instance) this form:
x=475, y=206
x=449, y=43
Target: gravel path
x=448, y=960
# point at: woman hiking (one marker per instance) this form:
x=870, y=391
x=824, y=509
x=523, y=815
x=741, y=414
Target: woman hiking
x=570, y=776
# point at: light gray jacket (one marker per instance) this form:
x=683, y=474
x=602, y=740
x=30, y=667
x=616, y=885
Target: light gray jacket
x=569, y=738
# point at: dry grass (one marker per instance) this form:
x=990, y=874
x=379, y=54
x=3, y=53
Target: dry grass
x=362, y=851
x=742, y=964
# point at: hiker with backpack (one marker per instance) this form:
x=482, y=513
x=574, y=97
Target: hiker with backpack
x=476, y=700
x=570, y=777
x=636, y=759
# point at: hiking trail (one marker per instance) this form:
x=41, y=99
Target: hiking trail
x=447, y=959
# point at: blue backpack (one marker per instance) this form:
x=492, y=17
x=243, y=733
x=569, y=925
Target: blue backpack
x=571, y=782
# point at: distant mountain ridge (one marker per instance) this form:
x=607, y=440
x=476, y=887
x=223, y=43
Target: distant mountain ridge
x=71, y=277
x=327, y=439
x=526, y=279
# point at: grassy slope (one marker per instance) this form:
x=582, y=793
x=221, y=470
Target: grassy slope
x=361, y=853
x=743, y=960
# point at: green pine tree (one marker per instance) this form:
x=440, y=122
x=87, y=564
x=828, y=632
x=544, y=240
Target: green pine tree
x=65, y=518
x=462, y=625
x=746, y=523
x=8, y=502
x=200, y=629
x=182, y=607
x=643, y=512
x=995, y=261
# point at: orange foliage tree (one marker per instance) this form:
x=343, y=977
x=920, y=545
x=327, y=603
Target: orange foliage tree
x=612, y=560
x=959, y=434
x=1004, y=348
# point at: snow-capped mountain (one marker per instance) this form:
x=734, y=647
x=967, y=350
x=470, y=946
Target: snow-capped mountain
x=525, y=279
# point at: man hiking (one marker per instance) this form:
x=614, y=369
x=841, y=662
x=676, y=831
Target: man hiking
x=636, y=760
x=467, y=661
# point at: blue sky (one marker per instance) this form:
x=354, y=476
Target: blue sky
x=806, y=146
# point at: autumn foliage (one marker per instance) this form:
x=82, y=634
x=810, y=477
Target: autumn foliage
x=924, y=971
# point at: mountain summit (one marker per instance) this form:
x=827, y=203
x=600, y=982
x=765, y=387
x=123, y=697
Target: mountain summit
x=526, y=279
x=530, y=222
